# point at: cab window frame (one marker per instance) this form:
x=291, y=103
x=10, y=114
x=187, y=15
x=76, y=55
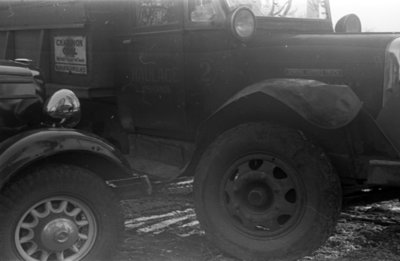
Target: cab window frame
x=178, y=24
x=216, y=23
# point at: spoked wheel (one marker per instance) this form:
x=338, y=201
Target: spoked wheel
x=59, y=213
x=59, y=228
x=263, y=192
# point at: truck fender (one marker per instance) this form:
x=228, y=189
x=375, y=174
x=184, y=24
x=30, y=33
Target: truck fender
x=25, y=148
x=324, y=105
x=291, y=102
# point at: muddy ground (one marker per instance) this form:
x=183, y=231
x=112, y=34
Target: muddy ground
x=164, y=227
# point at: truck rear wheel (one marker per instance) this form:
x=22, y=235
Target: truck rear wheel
x=59, y=212
x=263, y=192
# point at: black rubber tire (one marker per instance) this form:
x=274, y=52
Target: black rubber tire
x=318, y=198
x=67, y=182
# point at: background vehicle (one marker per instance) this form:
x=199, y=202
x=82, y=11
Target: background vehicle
x=277, y=115
x=54, y=200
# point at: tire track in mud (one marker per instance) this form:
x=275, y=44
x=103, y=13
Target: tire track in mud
x=183, y=222
x=164, y=227
x=171, y=210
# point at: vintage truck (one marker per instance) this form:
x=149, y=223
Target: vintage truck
x=279, y=115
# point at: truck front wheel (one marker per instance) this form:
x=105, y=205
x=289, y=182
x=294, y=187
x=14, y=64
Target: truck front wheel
x=263, y=192
x=59, y=212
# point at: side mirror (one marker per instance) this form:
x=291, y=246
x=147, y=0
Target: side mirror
x=350, y=23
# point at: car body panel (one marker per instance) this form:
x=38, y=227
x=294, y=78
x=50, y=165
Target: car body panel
x=326, y=106
x=217, y=66
x=25, y=148
x=21, y=98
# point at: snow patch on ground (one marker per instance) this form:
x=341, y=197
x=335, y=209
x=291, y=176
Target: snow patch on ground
x=183, y=222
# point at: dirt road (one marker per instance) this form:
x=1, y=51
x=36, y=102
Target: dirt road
x=164, y=227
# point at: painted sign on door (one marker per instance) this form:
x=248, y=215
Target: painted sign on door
x=70, y=54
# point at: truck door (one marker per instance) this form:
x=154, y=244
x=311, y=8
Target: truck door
x=153, y=100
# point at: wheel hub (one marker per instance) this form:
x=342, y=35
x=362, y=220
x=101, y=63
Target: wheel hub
x=59, y=234
x=262, y=195
x=257, y=197
x=252, y=191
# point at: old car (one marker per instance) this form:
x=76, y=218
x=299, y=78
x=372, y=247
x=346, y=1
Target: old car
x=278, y=114
x=54, y=200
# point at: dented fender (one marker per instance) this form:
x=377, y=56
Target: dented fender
x=327, y=106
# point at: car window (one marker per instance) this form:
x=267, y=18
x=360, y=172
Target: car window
x=157, y=12
x=202, y=11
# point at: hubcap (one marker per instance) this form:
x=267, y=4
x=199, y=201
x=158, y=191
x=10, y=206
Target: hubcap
x=262, y=195
x=59, y=234
x=257, y=197
x=59, y=228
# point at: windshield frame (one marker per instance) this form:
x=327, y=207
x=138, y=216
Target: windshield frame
x=290, y=24
x=328, y=13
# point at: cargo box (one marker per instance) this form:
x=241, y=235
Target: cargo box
x=70, y=41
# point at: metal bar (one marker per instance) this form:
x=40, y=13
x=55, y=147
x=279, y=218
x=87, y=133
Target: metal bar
x=40, y=27
x=384, y=163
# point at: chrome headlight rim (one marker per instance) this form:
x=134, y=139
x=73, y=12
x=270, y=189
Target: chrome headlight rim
x=63, y=109
x=243, y=23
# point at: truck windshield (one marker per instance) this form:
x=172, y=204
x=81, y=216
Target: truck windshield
x=306, y=9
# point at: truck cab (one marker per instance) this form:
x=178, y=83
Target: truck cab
x=181, y=51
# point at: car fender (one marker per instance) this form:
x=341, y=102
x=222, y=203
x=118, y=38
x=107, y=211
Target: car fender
x=25, y=148
x=327, y=106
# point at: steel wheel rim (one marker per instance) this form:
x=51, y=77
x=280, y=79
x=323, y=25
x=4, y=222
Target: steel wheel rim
x=57, y=228
x=262, y=196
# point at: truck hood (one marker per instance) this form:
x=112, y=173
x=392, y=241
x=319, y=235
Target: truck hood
x=21, y=98
x=356, y=40
x=356, y=60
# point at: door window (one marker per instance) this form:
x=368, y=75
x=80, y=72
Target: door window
x=157, y=12
x=202, y=11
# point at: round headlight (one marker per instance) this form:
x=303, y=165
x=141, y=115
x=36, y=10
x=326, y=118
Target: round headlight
x=243, y=23
x=350, y=23
x=63, y=109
